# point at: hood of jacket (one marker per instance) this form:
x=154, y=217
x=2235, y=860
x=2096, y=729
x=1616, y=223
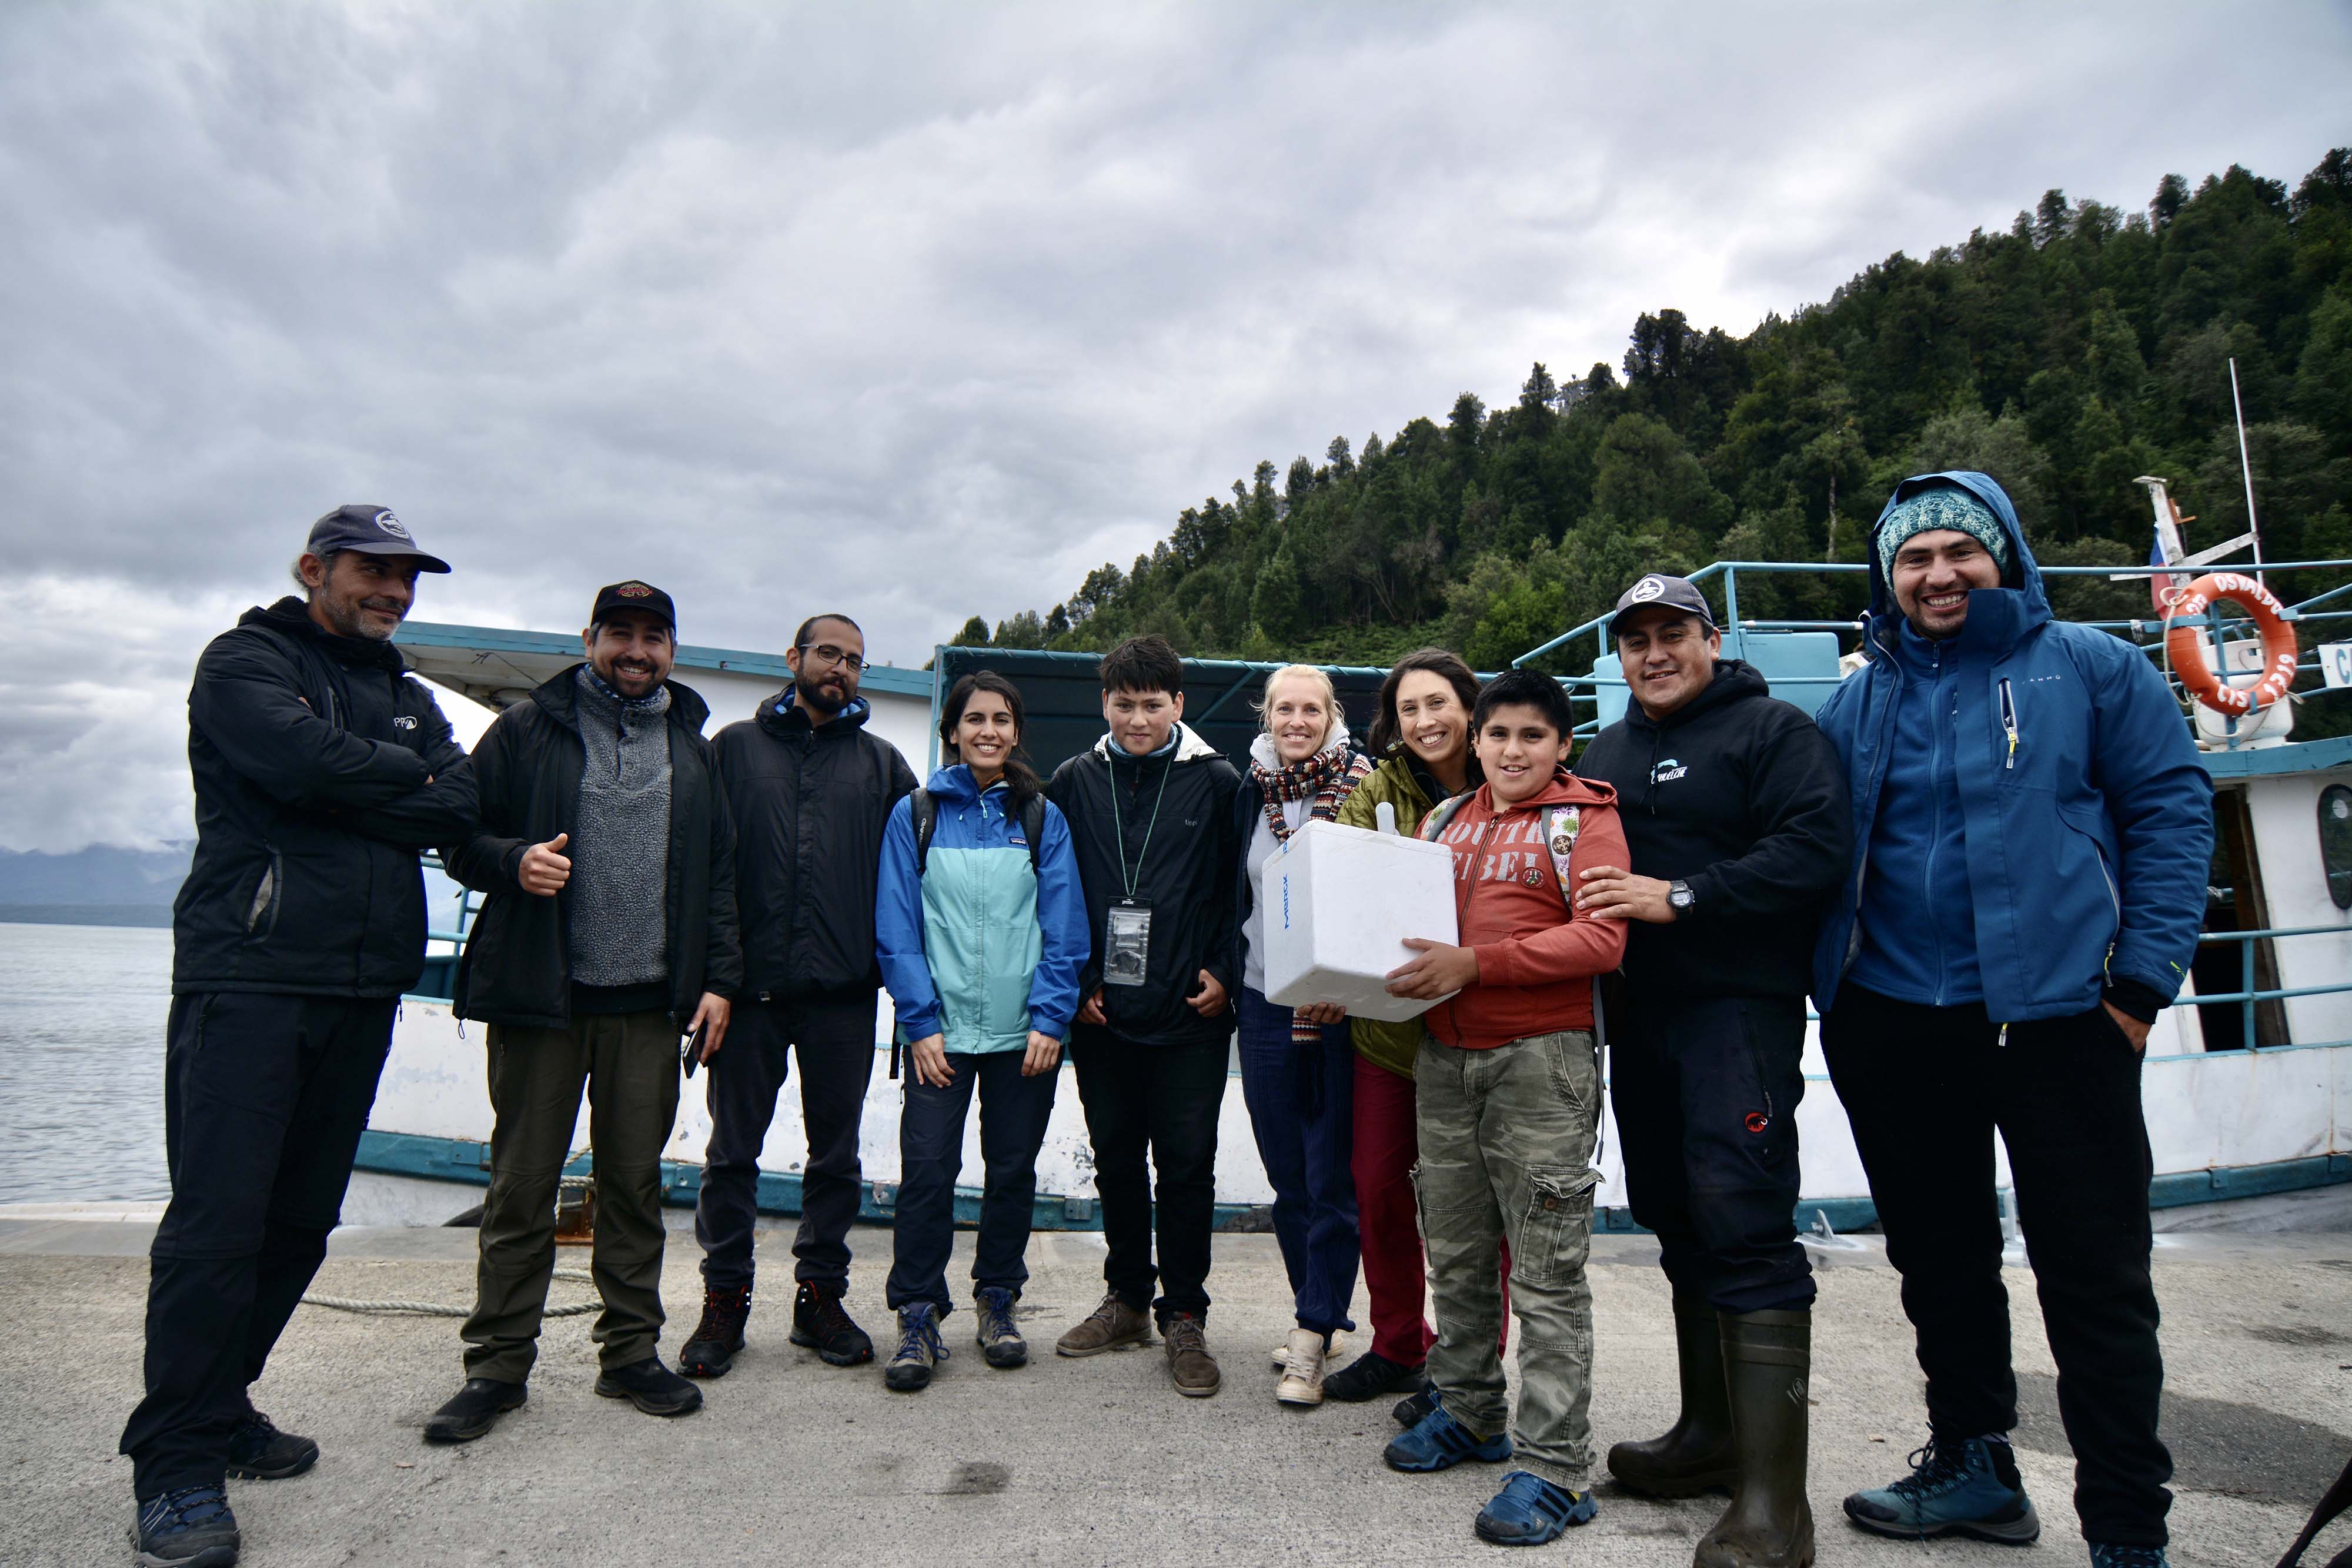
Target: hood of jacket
x=291, y=617
x=953, y=786
x=1735, y=680
x=782, y=714
x=1190, y=746
x=1998, y=617
x=558, y=697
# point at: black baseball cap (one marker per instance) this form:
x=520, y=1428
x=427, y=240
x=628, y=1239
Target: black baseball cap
x=1657, y=591
x=634, y=595
x=371, y=530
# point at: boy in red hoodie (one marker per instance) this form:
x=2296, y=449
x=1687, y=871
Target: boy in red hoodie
x=1508, y=1106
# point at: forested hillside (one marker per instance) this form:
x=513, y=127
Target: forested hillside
x=2081, y=348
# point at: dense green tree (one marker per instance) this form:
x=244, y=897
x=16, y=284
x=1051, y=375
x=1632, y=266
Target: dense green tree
x=2066, y=355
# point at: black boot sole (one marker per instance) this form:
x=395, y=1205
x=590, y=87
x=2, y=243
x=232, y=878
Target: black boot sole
x=689, y=1365
x=648, y=1403
x=2022, y=1530
x=807, y=1341
x=440, y=1432
x=210, y=1557
x=277, y=1472
x=1004, y=1358
x=906, y=1379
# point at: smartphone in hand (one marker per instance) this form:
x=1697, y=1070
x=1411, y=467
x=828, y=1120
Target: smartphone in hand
x=690, y=1056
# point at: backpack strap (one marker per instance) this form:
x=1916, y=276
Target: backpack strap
x=1032, y=828
x=925, y=809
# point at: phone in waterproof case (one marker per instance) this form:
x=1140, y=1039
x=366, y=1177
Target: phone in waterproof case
x=690, y=1054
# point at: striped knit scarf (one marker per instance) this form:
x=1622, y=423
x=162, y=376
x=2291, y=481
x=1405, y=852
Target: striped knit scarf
x=1324, y=780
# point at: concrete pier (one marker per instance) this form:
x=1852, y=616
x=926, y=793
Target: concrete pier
x=1077, y=1462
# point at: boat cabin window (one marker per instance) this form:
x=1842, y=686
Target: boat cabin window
x=2336, y=841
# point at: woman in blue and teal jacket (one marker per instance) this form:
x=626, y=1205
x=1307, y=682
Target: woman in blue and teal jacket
x=980, y=928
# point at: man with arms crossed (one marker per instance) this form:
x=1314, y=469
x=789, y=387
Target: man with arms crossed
x=1735, y=817
x=2032, y=837
x=321, y=767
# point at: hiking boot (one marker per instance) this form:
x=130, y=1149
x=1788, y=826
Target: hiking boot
x=1439, y=1442
x=1696, y=1454
x=2127, y=1556
x=259, y=1451
x=1001, y=1345
x=1369, y=1377
x=190, y=1528
x=1967, y=1488
x=1189, y=1361
x=1530, y=1510
x=918, y=1351
x=1410, y=1410
x=820, y=1324
x=1302, y=1381
x=651, y=1388
x=473, y=1410
x=1766, y=1357
x=1108, y=1327
x=718, y=1339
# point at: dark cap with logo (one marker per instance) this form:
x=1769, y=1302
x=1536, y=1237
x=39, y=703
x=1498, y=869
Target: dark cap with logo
x=1659, y=591
x=371, y=530
x=634, y=595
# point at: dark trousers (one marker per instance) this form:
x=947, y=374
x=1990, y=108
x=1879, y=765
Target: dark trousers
x=1925, y=1088
x=629, y=1064
x=1301, y=1100
x=1705, y=1092
x=1162, y=1100
x=1013, y=1111
x=835, y=1040
x=265, y=1097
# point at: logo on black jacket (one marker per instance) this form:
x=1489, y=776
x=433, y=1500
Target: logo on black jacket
x=1669, y=769
x=403, y=721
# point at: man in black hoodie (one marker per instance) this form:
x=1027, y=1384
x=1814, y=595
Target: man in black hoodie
x=1735, y=813
x=320, y=769
x=1150, y=811
x=810, y=790
x=609, y=931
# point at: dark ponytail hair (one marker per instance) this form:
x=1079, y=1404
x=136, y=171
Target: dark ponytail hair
x=1021, y=784
x=1388, y=734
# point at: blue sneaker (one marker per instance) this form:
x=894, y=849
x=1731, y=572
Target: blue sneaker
x=1970, y=1488
x=1530, y=1510
x=919, y=1348
x=1439, y=1442
x=190, y=1528
x=2127, y=1556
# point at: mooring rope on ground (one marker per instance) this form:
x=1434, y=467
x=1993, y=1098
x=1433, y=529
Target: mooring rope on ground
x=441, y=1309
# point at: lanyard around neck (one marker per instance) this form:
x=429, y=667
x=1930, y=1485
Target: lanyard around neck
x=1127, y=883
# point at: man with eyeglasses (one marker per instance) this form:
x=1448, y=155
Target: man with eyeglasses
x=810, y=790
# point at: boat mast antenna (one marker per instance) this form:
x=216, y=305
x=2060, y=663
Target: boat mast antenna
x=2246, y=467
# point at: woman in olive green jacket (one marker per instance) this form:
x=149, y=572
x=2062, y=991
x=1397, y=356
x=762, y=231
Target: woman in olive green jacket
x=1422, y=741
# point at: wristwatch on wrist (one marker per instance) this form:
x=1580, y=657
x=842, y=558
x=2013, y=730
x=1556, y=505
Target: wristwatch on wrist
x=1679, y=897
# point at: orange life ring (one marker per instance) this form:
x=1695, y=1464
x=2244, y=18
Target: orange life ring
x=2184, y=645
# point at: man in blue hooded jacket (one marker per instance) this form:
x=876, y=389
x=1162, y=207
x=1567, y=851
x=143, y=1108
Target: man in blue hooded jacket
x=2032, y=836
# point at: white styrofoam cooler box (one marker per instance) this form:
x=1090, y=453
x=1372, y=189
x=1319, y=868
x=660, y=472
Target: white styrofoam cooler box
x=1337, y=905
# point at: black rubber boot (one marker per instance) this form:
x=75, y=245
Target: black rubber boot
x=1696, y=1454
x=1767, y=1358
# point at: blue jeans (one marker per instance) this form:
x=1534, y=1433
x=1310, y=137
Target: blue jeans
x=1013, y=1111
x=1301, y=1101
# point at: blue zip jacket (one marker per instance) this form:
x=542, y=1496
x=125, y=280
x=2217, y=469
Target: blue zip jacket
x=2086, y=822
x=980, y=948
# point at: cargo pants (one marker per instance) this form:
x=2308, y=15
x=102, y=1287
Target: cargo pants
x=1507, y=1144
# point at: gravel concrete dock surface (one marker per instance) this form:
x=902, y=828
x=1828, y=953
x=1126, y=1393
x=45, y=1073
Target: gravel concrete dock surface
x=1075, y=1462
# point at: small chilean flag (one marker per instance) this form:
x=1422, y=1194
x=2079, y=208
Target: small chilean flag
x=2162, y=587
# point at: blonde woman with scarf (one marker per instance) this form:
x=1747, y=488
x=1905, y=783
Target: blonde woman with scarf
x=1299, y=1067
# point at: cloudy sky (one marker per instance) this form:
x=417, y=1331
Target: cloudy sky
x=918, y=311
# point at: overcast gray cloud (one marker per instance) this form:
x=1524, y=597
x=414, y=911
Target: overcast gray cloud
x=917, y=312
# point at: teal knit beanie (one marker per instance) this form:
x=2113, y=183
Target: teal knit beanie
x=1942, y=507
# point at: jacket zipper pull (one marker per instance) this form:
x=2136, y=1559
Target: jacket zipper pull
x=2003, y=1040
x=2008, y=721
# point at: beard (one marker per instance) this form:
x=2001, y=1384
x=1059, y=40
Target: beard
x=827, y=699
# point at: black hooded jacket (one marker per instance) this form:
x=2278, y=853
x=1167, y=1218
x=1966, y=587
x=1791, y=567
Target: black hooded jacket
x=311, y=754
x=810, y=801
x=1738, y=795
x=517, y=967
x=1174, y=835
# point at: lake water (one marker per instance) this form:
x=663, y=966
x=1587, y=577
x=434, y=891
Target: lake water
x=83, y=1011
